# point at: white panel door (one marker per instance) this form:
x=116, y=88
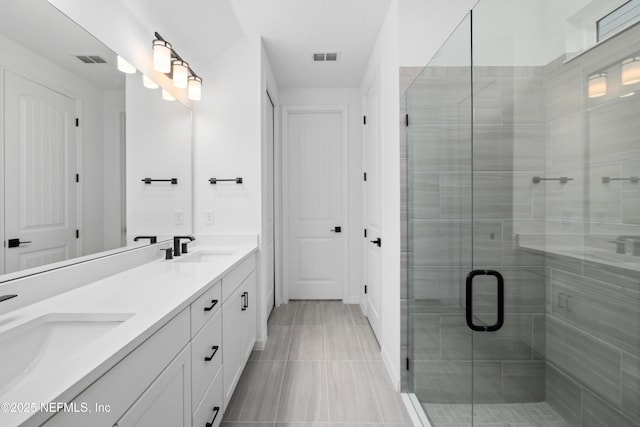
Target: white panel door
x=373, y=206
x=315, y=189
x=40, y=167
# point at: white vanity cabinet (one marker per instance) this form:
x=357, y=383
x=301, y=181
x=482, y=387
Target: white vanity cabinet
x=238, y=331
x=140, y=377
x=167, y=401
x=185, y=373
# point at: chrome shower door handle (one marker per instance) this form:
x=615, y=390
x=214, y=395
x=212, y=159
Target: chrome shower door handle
x=469, y=301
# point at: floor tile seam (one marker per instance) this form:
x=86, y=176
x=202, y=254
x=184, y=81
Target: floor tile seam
x=284, y=373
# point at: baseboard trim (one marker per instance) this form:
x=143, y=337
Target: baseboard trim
x=351, y=300
x=260, y=344
x=394, y=374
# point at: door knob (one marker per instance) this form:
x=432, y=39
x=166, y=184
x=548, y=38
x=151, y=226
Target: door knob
x=378, y=242
x=337, y=229
x=14, y=243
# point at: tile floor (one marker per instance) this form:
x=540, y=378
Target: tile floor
x=537, y=414
x=321, y=365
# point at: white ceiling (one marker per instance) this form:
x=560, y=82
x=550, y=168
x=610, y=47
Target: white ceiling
x=41, y=28
x=199, y=30
x=294, y=29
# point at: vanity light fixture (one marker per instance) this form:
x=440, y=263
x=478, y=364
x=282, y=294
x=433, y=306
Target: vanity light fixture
x=166, y=60
x=167, y=96
x=161, y=55
x=125, y=67
x=195, y=88
x=630, y=71
x=148, y=83
x=180, y=73
x=597, y=85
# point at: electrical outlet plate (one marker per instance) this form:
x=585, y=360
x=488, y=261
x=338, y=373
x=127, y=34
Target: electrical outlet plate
x=178, y=217
x=209, y=217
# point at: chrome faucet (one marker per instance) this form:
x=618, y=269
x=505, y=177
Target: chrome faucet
x=176, y=244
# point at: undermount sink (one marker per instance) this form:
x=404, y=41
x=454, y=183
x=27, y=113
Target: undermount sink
x=37, y=346
x=205, y=256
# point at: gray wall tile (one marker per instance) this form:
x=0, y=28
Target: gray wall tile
x=523, y=381
x=564, y=395
x=596, y=413
x=587, y=359
x=631, y=386
x=608, y=312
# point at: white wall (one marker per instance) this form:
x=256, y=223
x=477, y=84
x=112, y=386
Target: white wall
x=352, y=99
x=424, y=25
x=384, y=60
x=15, y=58
x=228, y=142
x=159, y=147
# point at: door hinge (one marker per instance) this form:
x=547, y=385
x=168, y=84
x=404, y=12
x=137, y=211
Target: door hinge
x=406, y=120
x=365, y=289
x=365, y=232
x=407, y=363
x=77, y=177
x=364, y=120
x=77, y=122
x=365, y=176
x=77, y=233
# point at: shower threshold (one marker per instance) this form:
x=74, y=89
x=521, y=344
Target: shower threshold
x=537, y=414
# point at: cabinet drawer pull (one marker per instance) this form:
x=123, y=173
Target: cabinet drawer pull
x=209, y=358
x=213, y=304
x=216, y=409
x=244, y=301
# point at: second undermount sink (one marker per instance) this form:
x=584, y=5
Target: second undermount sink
x=205, y=256
x=37, y=347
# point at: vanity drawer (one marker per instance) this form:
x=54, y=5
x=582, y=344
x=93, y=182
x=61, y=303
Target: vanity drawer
x=235, y=277
x=205, y=307
x=206, y=345
x=211, y=405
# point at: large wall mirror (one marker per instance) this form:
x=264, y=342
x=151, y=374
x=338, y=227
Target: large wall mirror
x=71, y=188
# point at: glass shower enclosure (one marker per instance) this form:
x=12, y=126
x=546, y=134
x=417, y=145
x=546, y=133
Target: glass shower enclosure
x=523, y=218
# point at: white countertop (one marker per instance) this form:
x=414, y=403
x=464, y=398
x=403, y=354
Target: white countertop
x=153, y=293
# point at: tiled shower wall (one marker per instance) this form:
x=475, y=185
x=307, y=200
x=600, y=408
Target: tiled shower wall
x=589, y=369
x=593, y=307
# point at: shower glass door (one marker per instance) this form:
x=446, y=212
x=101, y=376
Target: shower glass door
x=509, y=127
x=440, y=226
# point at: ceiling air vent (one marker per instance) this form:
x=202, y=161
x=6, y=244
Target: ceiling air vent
x=91, y=59
x=325, y=57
